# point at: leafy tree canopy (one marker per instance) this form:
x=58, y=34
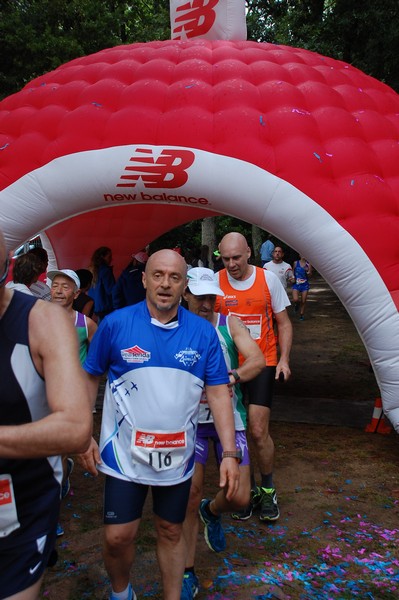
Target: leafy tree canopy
x=364, y=34
x=39, y=35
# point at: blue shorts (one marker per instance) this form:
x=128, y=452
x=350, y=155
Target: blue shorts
x=206, y=434
x=124, y=501
x=23, y=565
x=301, y=287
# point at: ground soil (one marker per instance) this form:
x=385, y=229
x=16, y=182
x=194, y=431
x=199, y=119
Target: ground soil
x=338, y=487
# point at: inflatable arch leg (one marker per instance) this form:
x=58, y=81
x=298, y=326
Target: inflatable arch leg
x=226, y=185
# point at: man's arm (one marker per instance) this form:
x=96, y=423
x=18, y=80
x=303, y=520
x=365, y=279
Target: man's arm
x=289, y=275
x=254, y=360
x=91, y=328
x=91, y=458
x=219, y=401
x=67, y=429
x=284, y=329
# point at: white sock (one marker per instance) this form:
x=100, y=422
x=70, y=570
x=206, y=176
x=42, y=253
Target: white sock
x=122, y=595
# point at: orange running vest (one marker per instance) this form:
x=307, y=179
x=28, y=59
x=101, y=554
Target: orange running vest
x=254, y=308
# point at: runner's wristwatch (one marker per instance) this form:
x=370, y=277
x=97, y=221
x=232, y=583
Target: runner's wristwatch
x=233, y=454
x=235, y=375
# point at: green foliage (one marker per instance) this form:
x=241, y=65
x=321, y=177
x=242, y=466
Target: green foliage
x=188, y=236
x=363, y=34
x=39, y=35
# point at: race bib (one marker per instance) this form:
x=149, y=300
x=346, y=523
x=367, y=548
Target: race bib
x=205, y=413
x=253, y=323
x=160, y=450
x=8, y=509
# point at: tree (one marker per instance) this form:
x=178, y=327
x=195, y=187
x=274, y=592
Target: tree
x=363, y=34
x=39, y=35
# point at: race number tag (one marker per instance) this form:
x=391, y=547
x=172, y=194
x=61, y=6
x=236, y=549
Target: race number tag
x=205, y=414
x=161, y=450
x=8, y=510
x=253, y=323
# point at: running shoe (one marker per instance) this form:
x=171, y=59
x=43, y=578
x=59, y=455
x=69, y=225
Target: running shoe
x=66, y=486
x=131, y=596
x=254, y=503
x=213, y=532
x=269, y=510
x=190, y=586
x=60, y=530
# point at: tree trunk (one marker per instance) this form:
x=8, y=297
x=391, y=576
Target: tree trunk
x=208, y=237
x=256, y=243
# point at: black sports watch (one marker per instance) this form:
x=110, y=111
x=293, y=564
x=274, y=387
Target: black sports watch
x=235, y=375
x=237, y=454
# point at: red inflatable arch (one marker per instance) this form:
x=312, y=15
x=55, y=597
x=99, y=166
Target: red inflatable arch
x=118, y=147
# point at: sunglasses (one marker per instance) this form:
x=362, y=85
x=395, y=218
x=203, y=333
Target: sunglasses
x=5, y=271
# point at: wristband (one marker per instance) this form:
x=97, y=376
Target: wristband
x=235, y=375
x=237, y=454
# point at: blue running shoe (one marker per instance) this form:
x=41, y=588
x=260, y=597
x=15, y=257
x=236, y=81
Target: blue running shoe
x=60, y=530
x=190, y=586
x=66, y=486
x=131, y=596
x=213, y=532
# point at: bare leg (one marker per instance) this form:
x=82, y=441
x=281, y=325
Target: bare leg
x=31, y=593
x=119, y=552
x=191, y=522
x=220, y=505
x=171, y=552
x=258, y=425
x=304, y=296
x=295, y=299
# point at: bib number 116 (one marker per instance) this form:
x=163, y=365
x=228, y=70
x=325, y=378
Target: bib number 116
x=159, y=460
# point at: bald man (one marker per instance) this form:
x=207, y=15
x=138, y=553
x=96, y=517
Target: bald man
x=159, y=357
x=44, y=412
x=258, y=298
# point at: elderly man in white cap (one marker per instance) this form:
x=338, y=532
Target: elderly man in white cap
x=129, y=288
x=65, y=285
x=200, y=296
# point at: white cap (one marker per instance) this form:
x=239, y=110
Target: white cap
x=66, y=273
x=202, y=282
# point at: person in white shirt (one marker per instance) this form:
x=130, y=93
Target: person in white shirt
x=280, y=268
x=26, y=270
x=39, y=288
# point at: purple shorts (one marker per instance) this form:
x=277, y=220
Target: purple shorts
x=207, y=434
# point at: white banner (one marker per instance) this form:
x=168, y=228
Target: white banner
x=208, y=19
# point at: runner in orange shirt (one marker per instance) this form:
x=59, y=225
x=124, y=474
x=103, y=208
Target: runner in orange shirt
x=256, y=295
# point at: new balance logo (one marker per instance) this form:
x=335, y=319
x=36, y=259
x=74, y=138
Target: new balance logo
x=196, y=18
x=169, y=170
